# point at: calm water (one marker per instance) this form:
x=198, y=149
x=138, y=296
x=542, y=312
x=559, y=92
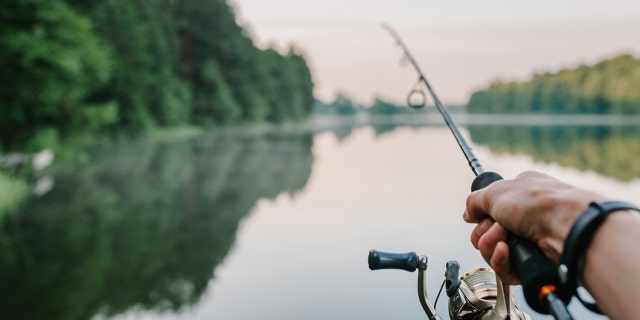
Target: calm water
x=274, y=225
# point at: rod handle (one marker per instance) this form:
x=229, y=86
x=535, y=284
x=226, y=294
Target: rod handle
x=387, y=260
x=534, y=269
x=484, y=179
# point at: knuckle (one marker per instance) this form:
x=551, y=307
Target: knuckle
x=528, y=174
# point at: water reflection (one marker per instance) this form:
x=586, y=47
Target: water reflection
x=139, y=223
x=136, y=223
x=343, y=132
x=607, y=150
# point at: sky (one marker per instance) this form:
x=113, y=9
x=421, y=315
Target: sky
x=461, y=45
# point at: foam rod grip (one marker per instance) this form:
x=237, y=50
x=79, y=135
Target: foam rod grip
x=534, y=269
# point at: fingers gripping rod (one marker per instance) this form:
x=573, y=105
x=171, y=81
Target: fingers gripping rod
x=537, y=273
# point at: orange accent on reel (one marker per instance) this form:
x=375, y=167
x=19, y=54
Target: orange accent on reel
x=544, y=291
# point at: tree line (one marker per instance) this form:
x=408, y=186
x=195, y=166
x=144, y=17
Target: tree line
x=79, y=66
x=343, y=105
x=608, y=87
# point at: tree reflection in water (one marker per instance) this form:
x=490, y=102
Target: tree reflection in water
x=140, y=223
x=608, y=150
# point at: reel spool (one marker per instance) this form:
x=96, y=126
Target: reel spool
x=476, y=298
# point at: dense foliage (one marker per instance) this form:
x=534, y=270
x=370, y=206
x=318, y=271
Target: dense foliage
x=610, y=86
x=73, y=66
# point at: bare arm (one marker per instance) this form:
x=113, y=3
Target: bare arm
x=543, y=209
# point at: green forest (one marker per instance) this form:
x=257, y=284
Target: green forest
x=608, y=87
x=78, y=67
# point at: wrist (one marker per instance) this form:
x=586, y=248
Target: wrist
x=611, y=258
x=578, y=242
x=567, y=208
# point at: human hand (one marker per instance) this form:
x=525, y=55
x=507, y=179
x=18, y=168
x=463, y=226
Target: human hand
x=534, y=206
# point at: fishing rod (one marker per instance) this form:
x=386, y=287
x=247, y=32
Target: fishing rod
x=538, y=275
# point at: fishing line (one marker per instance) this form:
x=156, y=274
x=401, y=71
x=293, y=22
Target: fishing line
x=435, y=304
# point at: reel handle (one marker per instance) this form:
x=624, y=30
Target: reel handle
x=387, y=260
x=452, y=277
x=534, y=269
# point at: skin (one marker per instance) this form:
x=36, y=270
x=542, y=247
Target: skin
x=543, y=209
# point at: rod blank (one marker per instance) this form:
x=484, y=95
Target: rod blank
x=475, y=165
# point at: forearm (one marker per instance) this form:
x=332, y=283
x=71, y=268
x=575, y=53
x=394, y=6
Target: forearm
x=611, y=271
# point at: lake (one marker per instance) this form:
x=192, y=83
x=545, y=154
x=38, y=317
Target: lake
x=276, y=224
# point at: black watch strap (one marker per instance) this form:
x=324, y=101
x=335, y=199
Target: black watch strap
x=578, y=241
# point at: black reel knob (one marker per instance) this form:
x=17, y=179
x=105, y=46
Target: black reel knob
x=387, y=260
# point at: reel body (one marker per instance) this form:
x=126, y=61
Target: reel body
x=477, y=295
